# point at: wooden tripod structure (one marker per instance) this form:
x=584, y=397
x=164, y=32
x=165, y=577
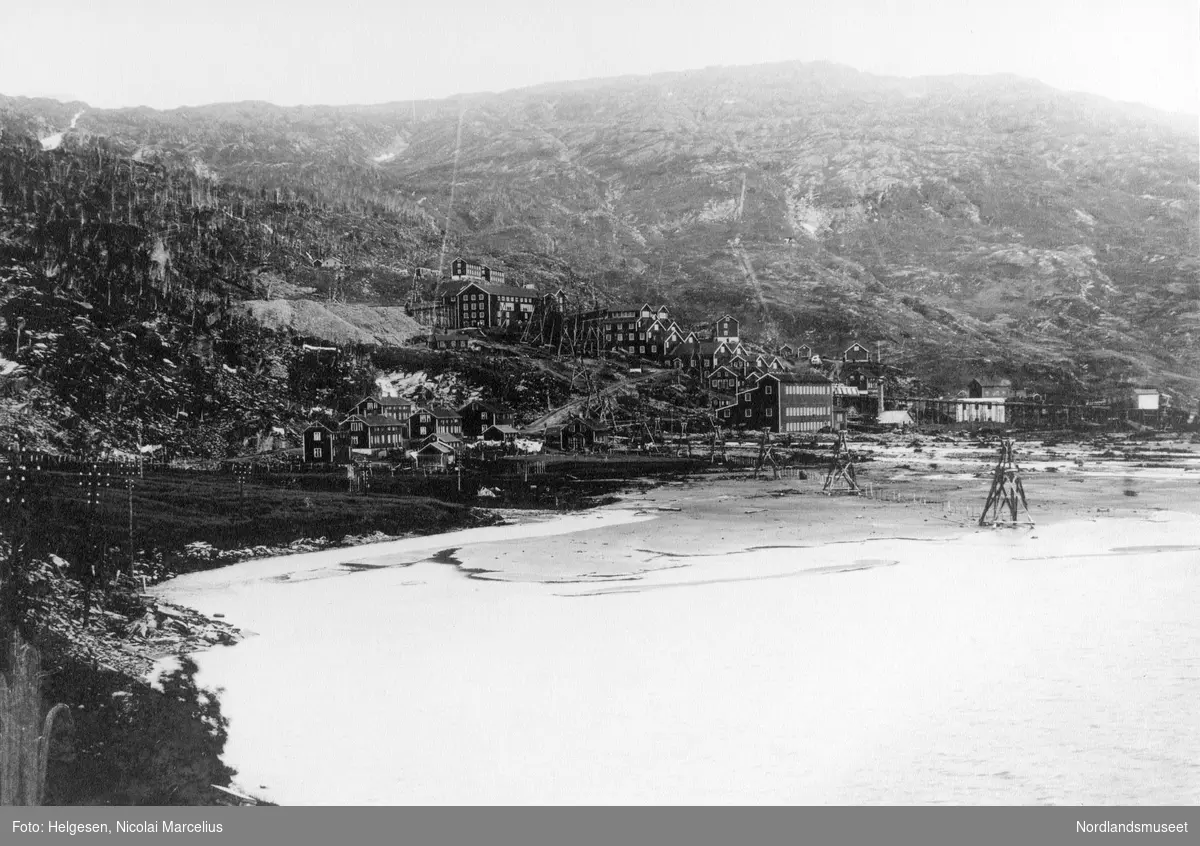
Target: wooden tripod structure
x=766, y=454
x=841, y=470
x=1006, y=491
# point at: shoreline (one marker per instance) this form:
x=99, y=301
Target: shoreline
x=784, y=517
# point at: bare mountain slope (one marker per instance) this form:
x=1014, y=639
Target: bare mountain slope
x=967, y=223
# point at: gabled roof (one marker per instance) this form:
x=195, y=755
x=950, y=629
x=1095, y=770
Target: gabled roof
x=444, y=437
x=442, y=411
x=502, y=428
x=727, y=317
x=709, y=347
x=435, y=446
x=486, y=405
x=312, y=426
x=857, y=345
x=798, y=377
x=684, y=348
x=394, y=402
x=499, y=290
x=719, y=369
x=993, y=382
x=378, y=420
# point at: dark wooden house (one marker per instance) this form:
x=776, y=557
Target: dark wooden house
x=856, y=352
x=478, y=414
x=726, y=329
x=783, y=402
x=578, y=434
x=500, y=432
x=986, y=387
x=323, y=445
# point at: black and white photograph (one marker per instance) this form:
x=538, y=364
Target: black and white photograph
x=599, y=404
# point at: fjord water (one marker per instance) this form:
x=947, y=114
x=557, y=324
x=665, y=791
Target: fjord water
x=1055, y=666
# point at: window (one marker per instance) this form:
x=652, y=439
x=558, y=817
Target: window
x=642, y=349
x=747, y=412
x=769, y=389
x=770, y=412
x=317, y=435
x=317, y=453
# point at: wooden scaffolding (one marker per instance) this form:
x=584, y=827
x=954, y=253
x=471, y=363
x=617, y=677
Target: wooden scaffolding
x=1007, y=496
x=840, y=478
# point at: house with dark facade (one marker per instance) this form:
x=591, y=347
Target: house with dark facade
x=723, y=380
x=394, y=407
x=446, y=420
x=424, y=422
x=489, y=305
x=323, y=445
x=578, y=434
x=783, y=402
x=374, y=431
x=499, y=432
x=989, y=386
x=856, y=352
x=465, y=271
x=726, y=329
x=478, y=414
x=449, y=341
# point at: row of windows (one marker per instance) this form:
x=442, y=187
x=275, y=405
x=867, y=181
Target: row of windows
x=794, y=411
x=805, y=427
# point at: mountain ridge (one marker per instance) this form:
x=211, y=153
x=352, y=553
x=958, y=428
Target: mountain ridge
x=967, y=222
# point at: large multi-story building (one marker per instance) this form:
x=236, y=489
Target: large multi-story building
x=782, y=402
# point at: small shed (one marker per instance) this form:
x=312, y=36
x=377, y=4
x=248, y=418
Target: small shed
x=500, y=432
x=435, y=455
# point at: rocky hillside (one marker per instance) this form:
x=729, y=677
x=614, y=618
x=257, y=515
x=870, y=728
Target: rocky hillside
x=968, y=225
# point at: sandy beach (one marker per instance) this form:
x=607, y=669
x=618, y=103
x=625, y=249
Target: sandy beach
x=730, y=640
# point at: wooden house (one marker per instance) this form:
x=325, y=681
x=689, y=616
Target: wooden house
x=374, y=431
x=446, y=420
x=435, y=455
x=478, y=414
x=393, y=407
x=453, y=441
x=322, y=445
x=420, y=424
x=449, y=341
x=726, y=329
x=499, y=432
x=856, y=352
x=491, y=305
x=578, y=434
x=367, y=405
x=786, y=351
x=785, y=402
x=356, y=431
x=723, y=380
x=989, y=387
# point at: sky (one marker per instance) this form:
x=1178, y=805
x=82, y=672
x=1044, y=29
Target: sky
x=113, y=53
